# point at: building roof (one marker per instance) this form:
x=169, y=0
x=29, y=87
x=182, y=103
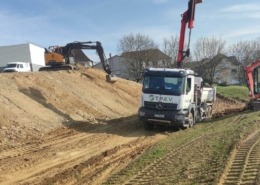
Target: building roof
x=152, y=54
x=79, y=56
x=217, y=59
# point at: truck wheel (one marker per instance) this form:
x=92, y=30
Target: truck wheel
x=147, y=125
x=209, y=112
x=191, y=119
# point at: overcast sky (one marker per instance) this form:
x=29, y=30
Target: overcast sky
x=57, y=22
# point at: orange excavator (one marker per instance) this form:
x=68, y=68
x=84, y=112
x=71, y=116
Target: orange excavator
x=252, y=73
x=61, y=57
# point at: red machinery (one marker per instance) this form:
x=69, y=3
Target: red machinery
x=252, y=73
x=187, y=18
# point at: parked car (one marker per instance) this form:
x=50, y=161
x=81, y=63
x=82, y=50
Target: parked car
x=17, y=67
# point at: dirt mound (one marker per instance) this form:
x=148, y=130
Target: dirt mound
x=224, y=106
x=37, y=102
x=34, y=103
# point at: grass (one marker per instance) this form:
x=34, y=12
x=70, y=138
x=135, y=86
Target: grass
x=234, y=92
x=202, y=162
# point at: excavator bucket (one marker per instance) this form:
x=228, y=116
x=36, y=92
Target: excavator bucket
x=111, y=78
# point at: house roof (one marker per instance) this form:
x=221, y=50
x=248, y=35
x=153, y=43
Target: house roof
x=152, y=54
x=217, y=59
x=79, y=56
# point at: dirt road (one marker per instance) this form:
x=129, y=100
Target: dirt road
x=84, y=151
x=72, y=127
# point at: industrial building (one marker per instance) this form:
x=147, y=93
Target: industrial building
x=27, y=53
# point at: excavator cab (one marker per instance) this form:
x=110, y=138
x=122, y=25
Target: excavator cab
x=256, y=74
x=252, y=73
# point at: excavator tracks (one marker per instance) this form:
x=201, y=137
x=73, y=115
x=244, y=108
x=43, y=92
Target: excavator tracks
x=244, y=164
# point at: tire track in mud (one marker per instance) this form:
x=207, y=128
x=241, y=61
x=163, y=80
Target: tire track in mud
x=163, y=171
x=157, y=172
x=94, y=151
x=98, y=168
x=244, y=165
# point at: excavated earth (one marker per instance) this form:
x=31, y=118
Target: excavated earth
x=73, y=127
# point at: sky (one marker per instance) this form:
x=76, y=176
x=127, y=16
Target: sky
x=58, y=22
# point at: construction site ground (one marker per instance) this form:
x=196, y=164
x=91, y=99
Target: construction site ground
x=73, y=127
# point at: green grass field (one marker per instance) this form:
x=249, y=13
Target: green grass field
x=234, y=92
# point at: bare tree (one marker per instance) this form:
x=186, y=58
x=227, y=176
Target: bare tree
x=170, y=48
x=208, y=52
x=246, y=51
x=136, y=42
x=208, y=47
x=131, y=46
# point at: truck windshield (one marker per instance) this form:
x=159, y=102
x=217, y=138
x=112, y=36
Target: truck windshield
x=10, y=65
x=163, y=85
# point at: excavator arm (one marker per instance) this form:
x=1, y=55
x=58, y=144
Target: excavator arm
x=187, y=20
x=56, y=56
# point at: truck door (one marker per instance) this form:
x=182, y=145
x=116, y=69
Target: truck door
x=189, y=91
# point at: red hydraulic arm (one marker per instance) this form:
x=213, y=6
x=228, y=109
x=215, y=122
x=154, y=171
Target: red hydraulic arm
x=251, y=82
x=187, y=18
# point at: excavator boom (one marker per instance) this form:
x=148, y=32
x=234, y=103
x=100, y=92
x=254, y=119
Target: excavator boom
x=58, y=57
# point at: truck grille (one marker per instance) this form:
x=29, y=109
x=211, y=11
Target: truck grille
x=160, y=105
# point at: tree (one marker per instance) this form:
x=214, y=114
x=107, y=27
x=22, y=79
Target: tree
x=136, y=62
x=208, y=47
x=246, y=52
x=208, y=52
x=136, y=42
x=170, y=48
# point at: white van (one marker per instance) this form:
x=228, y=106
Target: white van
x=17, y=67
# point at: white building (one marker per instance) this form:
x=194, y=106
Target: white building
x=28, y=53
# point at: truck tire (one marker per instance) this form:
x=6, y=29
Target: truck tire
x=147, y=125
x=191, y=119
x=209, y=112
x=189, y=123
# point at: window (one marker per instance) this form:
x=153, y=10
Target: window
x=188, y=88
x=257, y=80
x=165, y=84
x=233, y=71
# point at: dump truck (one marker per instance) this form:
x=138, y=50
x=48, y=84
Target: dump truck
x=174, y=97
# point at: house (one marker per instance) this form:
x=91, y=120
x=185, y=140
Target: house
x=227, y=71
x=130, y=65
x=80, y=57
x=27, y=53
x=150, y=58
x=221, y=69
x=118, y=65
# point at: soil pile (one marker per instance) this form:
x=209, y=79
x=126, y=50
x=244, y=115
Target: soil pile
x=33, y=103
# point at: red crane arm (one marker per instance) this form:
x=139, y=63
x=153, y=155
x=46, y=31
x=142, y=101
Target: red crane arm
x=187, y=18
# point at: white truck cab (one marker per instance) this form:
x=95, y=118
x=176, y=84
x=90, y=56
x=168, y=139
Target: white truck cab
x=174, y=97
x=17, y=67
